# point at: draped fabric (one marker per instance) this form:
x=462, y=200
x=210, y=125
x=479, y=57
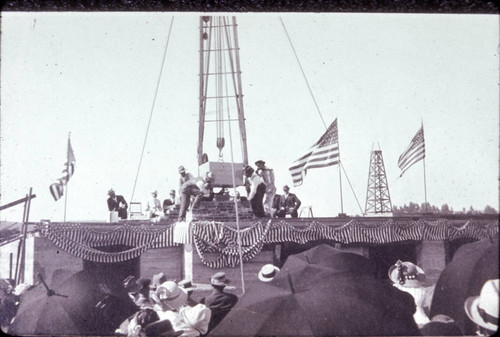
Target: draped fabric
x=83, y=242
x=217, y=243
x=215, y=237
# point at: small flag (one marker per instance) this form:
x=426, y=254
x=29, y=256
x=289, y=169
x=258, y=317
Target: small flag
x=325, y=152
x=57, y=189
x=414, y=152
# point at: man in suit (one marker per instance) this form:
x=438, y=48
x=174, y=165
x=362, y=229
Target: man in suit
x=169, y=203
x=219, y=302
x=117, y=203
x=289, y=204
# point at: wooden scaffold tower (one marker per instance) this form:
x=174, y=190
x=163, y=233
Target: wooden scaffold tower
x=378, y=199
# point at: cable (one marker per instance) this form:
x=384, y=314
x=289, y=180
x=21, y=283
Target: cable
x=303, y=73
x=152, y=108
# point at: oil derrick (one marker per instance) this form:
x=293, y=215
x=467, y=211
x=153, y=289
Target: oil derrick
x=378, y=199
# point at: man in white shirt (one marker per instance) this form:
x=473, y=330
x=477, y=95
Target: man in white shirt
x=153, y=206
x=257, y=191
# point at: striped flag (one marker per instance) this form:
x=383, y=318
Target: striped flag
x=56, y=189
x=325, y=152
x=414, y=152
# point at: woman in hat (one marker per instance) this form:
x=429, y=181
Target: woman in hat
x=410, y=278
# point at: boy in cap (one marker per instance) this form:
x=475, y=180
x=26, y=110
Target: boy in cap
x=219, y=302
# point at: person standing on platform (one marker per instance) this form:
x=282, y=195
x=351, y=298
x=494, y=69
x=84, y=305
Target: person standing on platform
x=197, y=187
x=289, y=204
x=153, y=206
x=267, y=174
x=185, y=176
x=257, y=191
x=117, y=203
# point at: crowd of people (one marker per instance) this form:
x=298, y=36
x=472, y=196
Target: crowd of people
x=259, y=184
x=166, y=308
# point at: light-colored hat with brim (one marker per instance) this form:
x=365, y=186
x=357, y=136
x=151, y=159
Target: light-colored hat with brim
x=111, y=191
x=182, y=169
x=483, y=309
x=172, y=295
x=260, y=162
x=407, y=274
x=219, y=279
x=197, y=317
x=268, y=272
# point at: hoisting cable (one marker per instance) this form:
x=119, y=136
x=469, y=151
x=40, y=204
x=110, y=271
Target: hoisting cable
x=303, y=73
x=152, y=108
x=317, y=107
x=238, y=237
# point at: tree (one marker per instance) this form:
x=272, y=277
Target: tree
x=489, y=210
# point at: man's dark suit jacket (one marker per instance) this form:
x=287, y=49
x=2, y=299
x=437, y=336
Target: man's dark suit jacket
x=290, y=202
x=115, y=206
x=219, y=303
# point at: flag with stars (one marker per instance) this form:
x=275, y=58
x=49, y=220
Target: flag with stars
x=414, y=152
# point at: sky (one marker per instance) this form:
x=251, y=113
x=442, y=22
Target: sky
x=95, y=75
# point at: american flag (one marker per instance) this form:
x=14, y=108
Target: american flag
x=414, y=152
x=325, y=152
x=57, y=189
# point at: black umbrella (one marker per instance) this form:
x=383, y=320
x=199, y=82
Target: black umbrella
x=327, y=305
x=85, y=304
x=334, y=259
x=472, y=265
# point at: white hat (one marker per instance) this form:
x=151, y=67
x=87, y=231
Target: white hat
x=172, y=295
x=483, y=309
x=197, y=317
x=407, y=274
x=268, y=272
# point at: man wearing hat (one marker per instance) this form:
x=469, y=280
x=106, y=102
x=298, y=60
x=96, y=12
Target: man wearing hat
x=153, y=206
x=185, y=176
x=169, y=204
x=289, y=204
x=219, y=302
x=117, y=203
x=257, y=191
x=197, y=187
x=267, y=174
x=483, y=309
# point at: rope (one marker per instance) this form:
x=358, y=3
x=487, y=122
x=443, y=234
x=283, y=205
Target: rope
x=352, y=189
x=152, y=107
x=303, y=73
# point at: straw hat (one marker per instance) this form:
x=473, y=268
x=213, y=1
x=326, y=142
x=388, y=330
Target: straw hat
x=111, y=191
x=260, y=162
x=483, y=309
x=268, y=272
x=182, y=169
x=172, y=295
x=219, y=279
x=407, y=274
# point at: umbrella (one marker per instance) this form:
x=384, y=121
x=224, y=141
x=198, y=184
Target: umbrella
x=85, y=304
x=472, y=265
x=334, y=259
x=330, y=304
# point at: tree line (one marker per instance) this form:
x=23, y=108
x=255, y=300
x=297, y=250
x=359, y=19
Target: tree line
x=425, y=207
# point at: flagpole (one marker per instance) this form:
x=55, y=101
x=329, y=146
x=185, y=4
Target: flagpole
x=425, y=188
x=341, y=198
x=67, y=172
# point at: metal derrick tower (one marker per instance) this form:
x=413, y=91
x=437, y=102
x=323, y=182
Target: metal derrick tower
x=378, y=199
x=220, y=85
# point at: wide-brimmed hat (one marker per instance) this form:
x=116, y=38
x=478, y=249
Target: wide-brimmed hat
x=182, y=169
x=157, y=280
x=111, y=191
x=248, y=170
x=197, y=317
x=407, y=274
x=268, y=272
x=172, y=295
x=172, y=192
x=154, y=192
x=483, y=309
x=219, y=279
x=260, y=162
